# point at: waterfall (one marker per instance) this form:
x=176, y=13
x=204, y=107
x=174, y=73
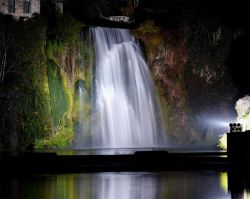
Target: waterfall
x=125, y=110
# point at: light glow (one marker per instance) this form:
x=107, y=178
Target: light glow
x=219, y=123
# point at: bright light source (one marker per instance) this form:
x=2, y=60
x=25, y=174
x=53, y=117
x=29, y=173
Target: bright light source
x=235, y=127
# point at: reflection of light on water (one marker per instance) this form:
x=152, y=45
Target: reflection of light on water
x=247, y=194
x=122, y=185
x=224, y=181
x=125, y=186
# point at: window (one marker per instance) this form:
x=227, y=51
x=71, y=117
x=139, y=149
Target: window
x=11, y=6
x=26, y=6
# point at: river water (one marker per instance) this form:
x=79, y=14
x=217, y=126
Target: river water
x=122, y=185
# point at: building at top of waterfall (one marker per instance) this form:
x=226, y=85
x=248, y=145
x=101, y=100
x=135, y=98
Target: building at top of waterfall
x=59, y=6
x=20, y=8
x=123, y=19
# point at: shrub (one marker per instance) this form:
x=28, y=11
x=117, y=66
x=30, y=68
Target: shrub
x=150, y=34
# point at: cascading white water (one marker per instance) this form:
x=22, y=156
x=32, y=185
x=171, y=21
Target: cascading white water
x=125, y=109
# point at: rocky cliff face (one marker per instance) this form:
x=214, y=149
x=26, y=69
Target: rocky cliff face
x=192, y=79
x=168, y=69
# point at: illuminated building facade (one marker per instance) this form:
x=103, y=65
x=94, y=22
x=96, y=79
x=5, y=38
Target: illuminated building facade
x=20, y=8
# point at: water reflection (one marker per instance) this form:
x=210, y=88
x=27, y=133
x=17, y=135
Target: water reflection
x=121, y=186
x=124, y=186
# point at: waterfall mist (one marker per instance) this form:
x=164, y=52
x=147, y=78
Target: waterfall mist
x=83, y=126
x=125, y=112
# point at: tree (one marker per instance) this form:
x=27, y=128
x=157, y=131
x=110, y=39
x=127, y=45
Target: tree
x=5, y=43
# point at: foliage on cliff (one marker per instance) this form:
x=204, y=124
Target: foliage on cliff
x=24, y=91
x=37, y=90
x=243, y=111
x=62, y=71
x=150, y=35
x=62, y=32
x=242, y=108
